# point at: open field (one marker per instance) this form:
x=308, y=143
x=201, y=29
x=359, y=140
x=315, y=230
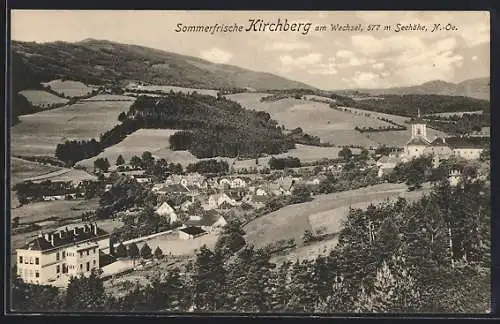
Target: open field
x=69, y=88
x=74, y=175
x=315, y=97
x=291, y=221
x=23, y=169
x=109, y=97
x=43, y=99
x=172, y=244
x=457, y=113
x=167, y=89
x=39, y=134
x=315, y=118
x=306, y=153
x=331, y=125
x=156, y=141
x=54, y=210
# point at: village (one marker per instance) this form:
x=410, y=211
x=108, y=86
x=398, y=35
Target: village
x=189, y=210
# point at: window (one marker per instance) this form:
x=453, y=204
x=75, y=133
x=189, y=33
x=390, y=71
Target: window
x=58, y=269
x=64, y=268
x=81, y=266
x=57, y=256
x=88, y=252
x=20, y=259
x=37, y=274
x=37, y=261
x=93, y=250
x=94, y=262
x=88, y=266
x=31, y=260
x=81, y=254
x=63, y=254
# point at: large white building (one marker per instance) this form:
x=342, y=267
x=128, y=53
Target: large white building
x=59, y=255
x=440, y=148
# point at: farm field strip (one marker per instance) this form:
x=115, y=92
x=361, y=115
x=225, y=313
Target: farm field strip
x=41, y=98
x=291, y=221
x=22, y=169
x=69, y=88
x=39, y=133
x=166, y=89
x=156, y=141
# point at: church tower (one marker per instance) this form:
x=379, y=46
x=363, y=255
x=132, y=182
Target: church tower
x=418, y=127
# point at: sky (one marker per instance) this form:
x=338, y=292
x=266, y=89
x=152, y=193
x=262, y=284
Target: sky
x=324, y=59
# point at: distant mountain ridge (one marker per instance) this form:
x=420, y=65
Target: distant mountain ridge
x=477, y=88
x=100, y=61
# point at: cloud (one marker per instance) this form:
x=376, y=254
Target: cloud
x=345, y=54
x=216, y=55
x=474, y=58
x=301, y=61
x=371, y=46
x=366, y=80
x=355, y=61
x=288, y=46
x=324, y=69
x=378, y=66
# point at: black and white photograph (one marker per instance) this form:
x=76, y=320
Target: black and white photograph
x=269, y=162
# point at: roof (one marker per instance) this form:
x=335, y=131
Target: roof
x=176, y=188
x=193, y=230
x=417, y=120
x=164, y=208
x=65, y=237
x=467, y=142
x=388, y=159
x=208, y=218
x=219, y=195
x=418, y=141
x=439, y=142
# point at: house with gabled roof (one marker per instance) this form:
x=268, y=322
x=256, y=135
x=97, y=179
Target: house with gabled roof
x=165, y=210
x=216, y=200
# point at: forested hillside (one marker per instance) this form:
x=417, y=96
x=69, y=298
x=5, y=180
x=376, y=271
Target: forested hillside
x=98, y=62
x=430, y=256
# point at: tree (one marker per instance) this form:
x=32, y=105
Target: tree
x=15, y=222
x=345, y=153
x=363, y=156
x=231, y=239
x=85, y=293
x=158, y=253
x=120, y=160
x=121, y=251
x=209, y=277
x=122, y=117
x=133, y=251
x=146, y=251
x=307, y=236
x=135, y=161
x=102, y=164
x=34, y=298
x=300, y=194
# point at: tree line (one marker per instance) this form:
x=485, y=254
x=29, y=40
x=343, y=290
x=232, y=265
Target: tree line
x=407, y=105
x=218, y=126
x=427, y=256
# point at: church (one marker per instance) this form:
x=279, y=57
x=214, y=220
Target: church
x=441, y=148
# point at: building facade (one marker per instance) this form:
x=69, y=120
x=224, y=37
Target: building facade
x=61, y=254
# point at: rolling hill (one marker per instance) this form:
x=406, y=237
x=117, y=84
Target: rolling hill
x=475, y=88
x=99, y=61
